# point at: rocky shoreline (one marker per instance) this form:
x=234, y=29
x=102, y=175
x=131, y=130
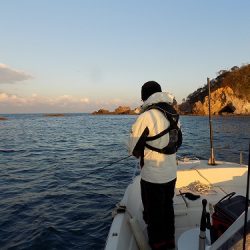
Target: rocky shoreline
x=118, y=111
x=133, y=112
x=230, y=94
x=223, y=102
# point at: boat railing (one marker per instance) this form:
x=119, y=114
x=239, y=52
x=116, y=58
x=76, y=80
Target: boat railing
x=240, y=152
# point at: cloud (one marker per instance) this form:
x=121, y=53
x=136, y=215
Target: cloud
x=10, y=103
x=84, y=100
x=35, y=103
x=8, y=75
x=8, y=99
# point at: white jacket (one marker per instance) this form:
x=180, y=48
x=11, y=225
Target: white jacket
x=158, y=168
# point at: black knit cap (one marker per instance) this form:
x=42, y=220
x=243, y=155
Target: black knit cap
x=149, y=88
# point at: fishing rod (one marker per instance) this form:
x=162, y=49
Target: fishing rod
x=246, y=202
x=211, y=159
x=112, y=163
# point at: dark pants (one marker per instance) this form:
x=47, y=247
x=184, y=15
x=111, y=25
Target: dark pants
x=158, y=213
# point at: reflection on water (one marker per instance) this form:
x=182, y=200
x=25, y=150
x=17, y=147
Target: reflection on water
x=55, y=191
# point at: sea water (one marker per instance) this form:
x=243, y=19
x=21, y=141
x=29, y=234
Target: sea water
x=57, y=184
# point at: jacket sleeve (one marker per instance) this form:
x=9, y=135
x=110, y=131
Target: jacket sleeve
x=138, y=135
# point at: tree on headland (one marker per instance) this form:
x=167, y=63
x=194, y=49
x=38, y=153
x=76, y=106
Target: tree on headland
x=238, y=79
x=231, y=89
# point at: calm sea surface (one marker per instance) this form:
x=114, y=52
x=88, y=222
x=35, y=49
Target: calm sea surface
x=56, y=191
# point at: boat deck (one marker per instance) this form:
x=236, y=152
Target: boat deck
x=217, y=181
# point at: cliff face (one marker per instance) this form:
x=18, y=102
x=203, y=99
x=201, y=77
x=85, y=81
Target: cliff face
x=223, y=100
x=122, y=110
x=230, y=94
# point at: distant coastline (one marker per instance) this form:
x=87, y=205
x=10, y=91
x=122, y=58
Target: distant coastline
x=121, y=110
x=54, y=115
x=216, y=115
x=127, y=111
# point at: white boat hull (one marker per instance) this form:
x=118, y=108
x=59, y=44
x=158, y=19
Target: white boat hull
x=224, y=178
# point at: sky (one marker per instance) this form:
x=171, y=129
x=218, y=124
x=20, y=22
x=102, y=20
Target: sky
x=83, y=55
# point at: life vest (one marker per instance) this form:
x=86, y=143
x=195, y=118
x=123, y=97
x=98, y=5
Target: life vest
x=175, y=134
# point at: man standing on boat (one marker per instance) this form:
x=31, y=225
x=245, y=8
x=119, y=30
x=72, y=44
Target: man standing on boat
x=154, y=139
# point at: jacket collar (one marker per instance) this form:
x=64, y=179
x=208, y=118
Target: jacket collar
x=156, y=98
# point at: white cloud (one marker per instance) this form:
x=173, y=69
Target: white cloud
x=8, y=75
x=3, y=97
x=84, y=100
x=37, y=103
x=10, y=103
x=7, y=98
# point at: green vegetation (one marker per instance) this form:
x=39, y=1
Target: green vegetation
x=238, y=79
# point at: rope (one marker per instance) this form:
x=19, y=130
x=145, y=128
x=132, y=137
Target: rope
x=209, y=181
x=199, y=187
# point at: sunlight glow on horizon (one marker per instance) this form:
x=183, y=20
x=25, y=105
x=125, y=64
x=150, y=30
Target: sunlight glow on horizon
x=87, y=55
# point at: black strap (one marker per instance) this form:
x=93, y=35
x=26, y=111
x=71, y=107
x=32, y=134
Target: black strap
x=167, y=110
x=165, y=150
x=154, y=149
x=152, y=138
x=172, y=121
x=173, y=125
x=138, y=150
